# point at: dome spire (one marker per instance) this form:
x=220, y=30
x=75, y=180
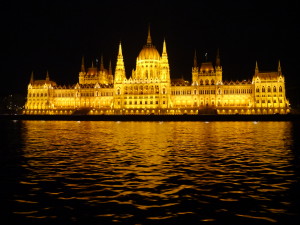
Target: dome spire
x=149, y=41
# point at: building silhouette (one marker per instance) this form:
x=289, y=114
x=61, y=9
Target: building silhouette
x=150, y=90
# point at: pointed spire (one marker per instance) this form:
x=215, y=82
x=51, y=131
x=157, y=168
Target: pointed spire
x=47, y=76
x=164, y=51
x=120, y=50
x=31, y=77
x=279, y=67
x=101, y=63
x=218, y=61
x=195, y=59
x=82, y=64
x=149, y=41
x=256, y=68
x=120, y=69
x=109, y=69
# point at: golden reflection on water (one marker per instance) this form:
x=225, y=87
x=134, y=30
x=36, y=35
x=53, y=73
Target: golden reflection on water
x=150, y=165
x=146, y=146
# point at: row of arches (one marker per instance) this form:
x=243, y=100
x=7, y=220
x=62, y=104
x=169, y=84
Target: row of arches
x=269, y=89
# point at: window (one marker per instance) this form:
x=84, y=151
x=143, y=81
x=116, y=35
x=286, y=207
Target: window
x=274, y=89
x=280, y=89
x=263, y=89
x=269, y=89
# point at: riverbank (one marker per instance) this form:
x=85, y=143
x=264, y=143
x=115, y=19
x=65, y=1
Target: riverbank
x=273, y=117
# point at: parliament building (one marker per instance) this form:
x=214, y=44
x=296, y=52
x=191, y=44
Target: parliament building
x=151, y=90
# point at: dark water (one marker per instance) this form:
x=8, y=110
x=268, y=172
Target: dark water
x=55, y=172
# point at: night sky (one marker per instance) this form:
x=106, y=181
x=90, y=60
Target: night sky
x=53, y=36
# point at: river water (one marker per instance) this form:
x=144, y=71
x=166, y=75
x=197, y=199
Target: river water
x=139, y=173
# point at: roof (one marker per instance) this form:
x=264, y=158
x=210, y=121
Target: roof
x=206, y=66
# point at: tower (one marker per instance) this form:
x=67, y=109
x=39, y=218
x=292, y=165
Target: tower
x=195, y=69
x=165, y=70
x=82, y=71
x=218, y=68
x=120, y=69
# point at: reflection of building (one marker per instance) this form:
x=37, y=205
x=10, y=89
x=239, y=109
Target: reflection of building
x=150, y=90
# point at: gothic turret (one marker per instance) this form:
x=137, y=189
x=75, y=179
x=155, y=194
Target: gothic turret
x=256, y=68
x=47, y=77
x=165, y=70
x=31, y=78
x=120, y=69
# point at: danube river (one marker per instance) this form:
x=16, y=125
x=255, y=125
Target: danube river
x=144, y=173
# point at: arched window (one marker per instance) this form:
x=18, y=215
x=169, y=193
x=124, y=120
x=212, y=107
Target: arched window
x=280, y=89
x=195, y=92
x=207, y=82
x=201, y=82
x=212, y=82
x=274, y=89
x=269, y=89
x=263, y=89
x=257, y=89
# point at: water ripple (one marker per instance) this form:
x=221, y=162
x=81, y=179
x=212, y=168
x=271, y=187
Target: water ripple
x=155, y=173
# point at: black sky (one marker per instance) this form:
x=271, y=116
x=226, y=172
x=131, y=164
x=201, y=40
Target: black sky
x=53, y=35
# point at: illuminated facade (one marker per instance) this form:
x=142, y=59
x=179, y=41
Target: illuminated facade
x=150, y=90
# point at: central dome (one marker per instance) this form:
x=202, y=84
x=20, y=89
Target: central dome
x=149, y=51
